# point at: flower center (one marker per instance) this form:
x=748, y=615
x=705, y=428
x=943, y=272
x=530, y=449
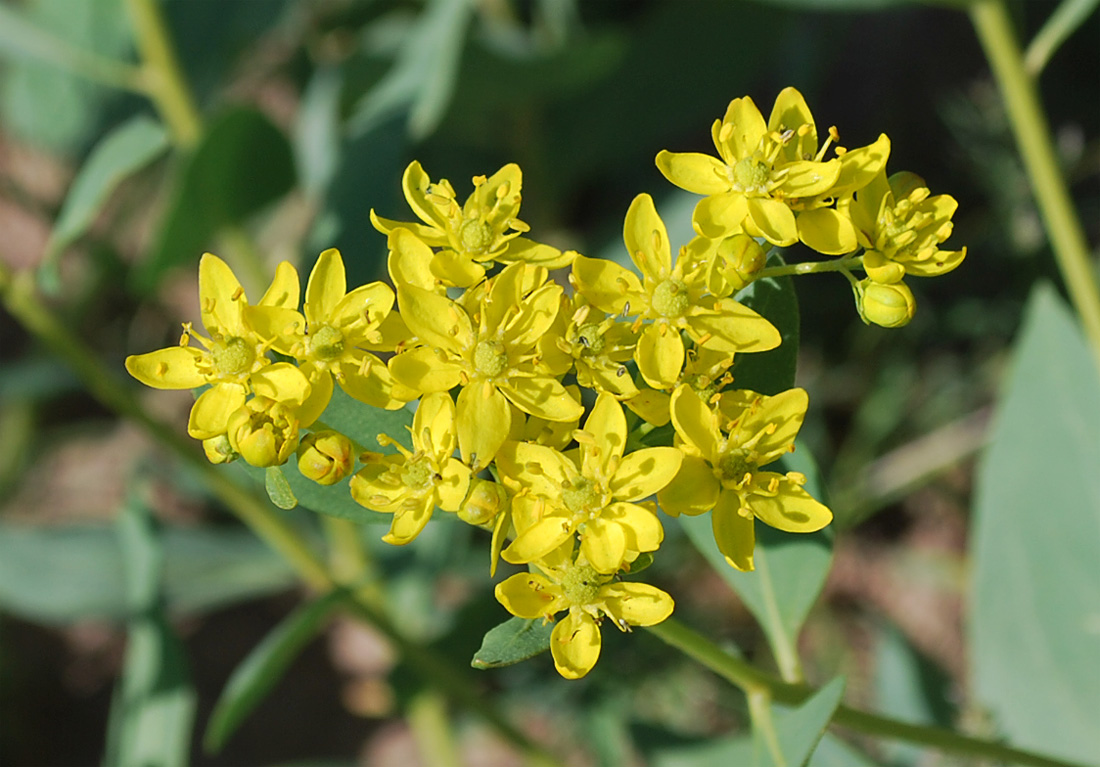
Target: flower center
x=590, y=337
x=581, y=496
x=670, y=298
x=581, y=585
x=476, y=236
x=732, y=467
x=233, y=356
x=489, y=358
x=326, y=343
x=417, y=472
x=750, y=175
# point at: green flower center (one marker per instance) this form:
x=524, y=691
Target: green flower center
x=670, y=298
x=489, y=358
x=476, y=236
x=733, y=466
x=417, y=472
x=326, y=343
x=750, y=175
x=591, y=337
x=581, y=496
x=581, y=585
x=233, y=356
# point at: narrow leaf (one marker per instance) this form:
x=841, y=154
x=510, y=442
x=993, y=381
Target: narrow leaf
x=1067, y=17
x=278, y=489
x=515, y=640
x=797, y=731
x=1035, y=599
x=125, y=150
x=265, y=665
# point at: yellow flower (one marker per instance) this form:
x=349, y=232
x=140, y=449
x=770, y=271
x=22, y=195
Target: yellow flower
x=901, y=227
x=890, y=305
x=731, y=262
x=326, y=457
x=592, y=493
x=489, y=345
x=771, y=180
x=263, y=431
x=472, y=236
x=588, y=596
x=332, y=339
x=411, y=484
x=595, y=346
x=724, y=449
x=232, y=360
x=672, y=297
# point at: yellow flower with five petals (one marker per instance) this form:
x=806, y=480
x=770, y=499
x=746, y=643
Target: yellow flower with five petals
x=724, y=450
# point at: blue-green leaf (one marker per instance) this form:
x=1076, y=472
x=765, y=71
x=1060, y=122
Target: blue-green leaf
x=797, y=731
x=265, y=664
x=515, y=640
x=278, y=489
x=1035, y=601
x=125, y=150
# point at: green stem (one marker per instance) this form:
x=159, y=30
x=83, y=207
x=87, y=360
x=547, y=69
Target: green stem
x=755, y=682
x=432, y=730
x=812, y=267
x=164, y=78
x=760, y=711
x=1067, y=238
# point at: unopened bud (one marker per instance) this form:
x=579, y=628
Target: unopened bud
x=326, y=457
x=737, y=260
x=890, y=306
x=264, y=432
x=484, y=502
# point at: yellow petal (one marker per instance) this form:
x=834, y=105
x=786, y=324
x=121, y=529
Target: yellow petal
x=210, y=413
x=858, y=167
x=530, y=596
x=733, y=533
x=644, y=472
x=605, y=284
x=429, y=234
x=366, y=378
x=698, y=173
x=285, y=289
x=827, y=231
x=694, y=490
x=284, y=327
x=790, y=113
x=807, y=178
x=720, y=215
x=425, y=370
x=171, y=368
x=779, y=417
x=327, y=284
x=650, y=405
x=636, y=604
x=536, y=315
x=220, y=297
x=320, y=393
x=575, y=645
x=695, y=422
x=647, y=239
x=454, y=269
x=746, y=128
x=789, y=507
x=451, y=489
x=733, y=327
x=370, y=491
x=772, y=220
x=538, y=540
x=540, y=469
x=282, y=382
x=433, y=425
x=409, y=260
x=410, y=519
x=544, y=397
x=607, y=424
x=603, y=544
x=436, y=319
x=366, y=304
x=483, y=420
x=528, y=251
x=415, y=183
x=642, y=527
x=660, y=355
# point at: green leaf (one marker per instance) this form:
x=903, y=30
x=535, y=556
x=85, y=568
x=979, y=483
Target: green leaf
x=724, y=752
x=242, y=164
x=362, y=423
x=1067, y=17
x=797, y=731
x=422, y=79
x=125, y=150
x=773, y=371
x=154, y=705
x=278, y=489
x=1035, y=599
x=515, y=640
x=58, y=575
x=790, y=568
x=265, y=664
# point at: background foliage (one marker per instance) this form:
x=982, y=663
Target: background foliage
x=955, y=591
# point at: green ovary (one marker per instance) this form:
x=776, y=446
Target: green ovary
x=590, y=337
x=476, y=237
x=326, y=343
x=732, y=468
x=233, y=356
x=417, y=473
x=489, y=358
x=670, y=298
x=581, y=585
x=750, y=175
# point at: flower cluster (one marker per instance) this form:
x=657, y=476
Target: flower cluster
x=530, y=400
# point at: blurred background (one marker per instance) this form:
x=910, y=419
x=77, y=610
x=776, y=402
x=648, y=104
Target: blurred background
x=310, y=111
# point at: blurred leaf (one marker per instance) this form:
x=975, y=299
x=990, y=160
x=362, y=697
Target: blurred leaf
x=57, y=575
x=515, y=640
x=422, y=78
x=265, y=665
x=154, y=704
x=1035, y=600
x=842, y=5
x=36, y=378
x=790, y=567
x=773, y=371
x=278, y=489
x=834, y=752
x=317, y=131
x=242, y=164
x=125, y=150
x=1067, y=17
x=41, y=103
x=798, y=730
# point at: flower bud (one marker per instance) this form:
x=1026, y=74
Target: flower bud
x=737, y=260
x=218, y=450
x=263, y=431
x=326, y=457
x=890, y=306
x=485, y=500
